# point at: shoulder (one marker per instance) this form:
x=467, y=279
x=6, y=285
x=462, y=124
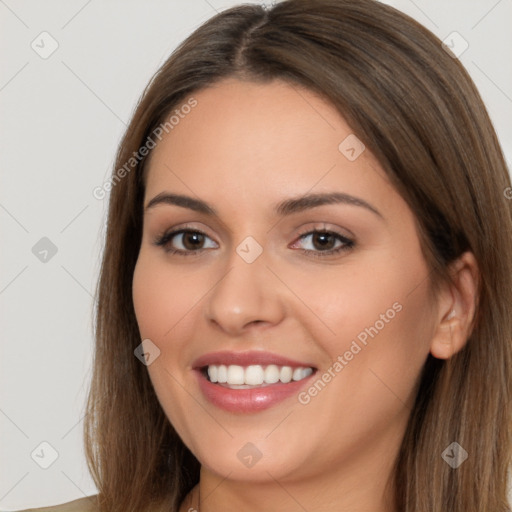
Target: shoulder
x=87, y=504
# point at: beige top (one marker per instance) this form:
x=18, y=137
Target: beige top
x=87, y=504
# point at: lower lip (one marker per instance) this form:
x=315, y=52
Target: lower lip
x=249, y=400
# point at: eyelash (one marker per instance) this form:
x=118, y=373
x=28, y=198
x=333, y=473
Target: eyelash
x=163, y=239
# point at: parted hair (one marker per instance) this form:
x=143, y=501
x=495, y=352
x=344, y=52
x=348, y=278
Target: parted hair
x=416, y=109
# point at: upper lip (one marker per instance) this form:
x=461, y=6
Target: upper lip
x=247, y=358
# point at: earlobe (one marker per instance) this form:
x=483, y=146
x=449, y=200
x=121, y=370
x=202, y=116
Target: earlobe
x=456, y=307
x=448, y=338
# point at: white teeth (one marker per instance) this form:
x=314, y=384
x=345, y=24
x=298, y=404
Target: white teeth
x=271, y=374
x=213, y=372
x=255, y=375
x=286, y=374
x=235, y=374
x=222, y=373
x=301, y=373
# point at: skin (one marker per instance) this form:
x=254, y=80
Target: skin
x=244, y=147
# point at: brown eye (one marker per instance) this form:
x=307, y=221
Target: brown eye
x=324, y=240
x=325, y=243
x=192, y=240
x=185, y=241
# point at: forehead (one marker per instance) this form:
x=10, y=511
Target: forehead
x=248, y=140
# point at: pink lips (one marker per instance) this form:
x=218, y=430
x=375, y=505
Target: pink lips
x=247, y=358
x=248, y=400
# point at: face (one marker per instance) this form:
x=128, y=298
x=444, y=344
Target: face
x=340, y=287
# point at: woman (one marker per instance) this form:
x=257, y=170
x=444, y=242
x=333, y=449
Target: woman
x=304, y=297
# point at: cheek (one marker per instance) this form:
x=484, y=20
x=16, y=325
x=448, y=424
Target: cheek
x=347, y=300
x=163, y=305
x=379, y=316
x=396, y=352
x=160, y=300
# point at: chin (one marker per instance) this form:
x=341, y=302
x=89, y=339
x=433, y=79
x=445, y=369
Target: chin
x=258, y=461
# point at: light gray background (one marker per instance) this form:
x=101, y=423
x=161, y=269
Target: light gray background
x=62, y=119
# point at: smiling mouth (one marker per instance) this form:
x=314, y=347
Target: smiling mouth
x=254, y=376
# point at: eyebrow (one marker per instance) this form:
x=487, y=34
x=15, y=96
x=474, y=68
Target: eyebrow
x=284, y=208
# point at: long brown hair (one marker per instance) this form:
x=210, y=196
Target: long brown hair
x=416, y=109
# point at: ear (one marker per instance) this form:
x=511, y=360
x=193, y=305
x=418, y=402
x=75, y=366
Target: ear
x=456, y=308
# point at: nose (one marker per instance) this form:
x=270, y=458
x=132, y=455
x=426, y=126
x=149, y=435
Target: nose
x=247, y=294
